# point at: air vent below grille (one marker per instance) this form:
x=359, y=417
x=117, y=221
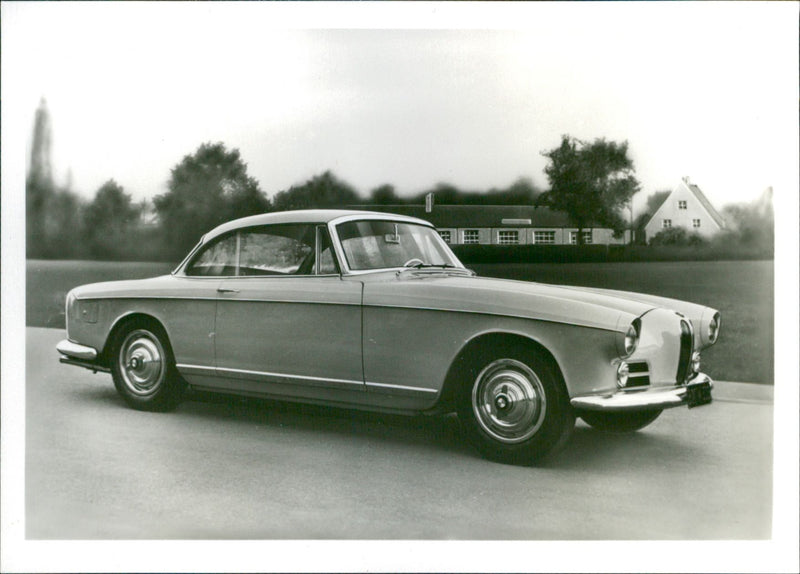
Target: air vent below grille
x=638, y=374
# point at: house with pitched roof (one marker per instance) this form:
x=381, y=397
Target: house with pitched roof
x=688, y=207
x=501, y=224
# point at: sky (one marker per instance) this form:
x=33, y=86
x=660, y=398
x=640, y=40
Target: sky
x=410, y=96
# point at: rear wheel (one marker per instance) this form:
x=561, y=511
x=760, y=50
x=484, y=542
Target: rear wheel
x=143, y=367
x=623, y=422
x=516, y=409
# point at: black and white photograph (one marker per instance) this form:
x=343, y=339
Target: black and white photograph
x=400, y=286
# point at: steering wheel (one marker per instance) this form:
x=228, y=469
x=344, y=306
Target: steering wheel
x=412, y=262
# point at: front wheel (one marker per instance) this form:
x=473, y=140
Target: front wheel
x=623, y=422
x=143, y=369
x=516, y=409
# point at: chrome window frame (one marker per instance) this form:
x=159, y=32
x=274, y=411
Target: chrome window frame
x=344, y=265
x=180, y=271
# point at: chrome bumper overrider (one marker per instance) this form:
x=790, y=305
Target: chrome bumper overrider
x=76, y=351
x=80, y=356
x=657, y=398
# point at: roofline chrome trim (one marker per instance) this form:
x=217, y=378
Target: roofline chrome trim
x=387, y=216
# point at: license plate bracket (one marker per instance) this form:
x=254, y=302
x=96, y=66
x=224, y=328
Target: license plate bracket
x=698, y=394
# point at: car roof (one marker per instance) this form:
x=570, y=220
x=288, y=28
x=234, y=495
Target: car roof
x=305, y=216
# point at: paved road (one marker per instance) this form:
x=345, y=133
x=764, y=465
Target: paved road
x=244, y=469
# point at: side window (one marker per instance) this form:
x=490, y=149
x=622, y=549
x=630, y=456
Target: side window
x=216, y=260
x=277, y=250
x=267, y=250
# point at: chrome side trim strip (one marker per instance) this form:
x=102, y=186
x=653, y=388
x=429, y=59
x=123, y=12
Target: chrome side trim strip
x=371, y=305
x=200, y=369
x=389, y=388
x=377, y=387
x=489, y=314
x=196, y=369
x=220, y=299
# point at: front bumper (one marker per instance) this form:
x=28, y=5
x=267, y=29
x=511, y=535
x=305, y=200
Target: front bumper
x=80, y=356
x=696, y=392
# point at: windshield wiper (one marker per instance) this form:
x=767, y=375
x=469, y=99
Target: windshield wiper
x=429, y=265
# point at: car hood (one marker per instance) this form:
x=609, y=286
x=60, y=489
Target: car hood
x=590, y=307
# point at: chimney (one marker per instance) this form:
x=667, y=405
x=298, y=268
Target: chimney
x=429, y=202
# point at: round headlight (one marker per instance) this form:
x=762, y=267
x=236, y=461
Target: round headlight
x=713, y=328
x=632, y=338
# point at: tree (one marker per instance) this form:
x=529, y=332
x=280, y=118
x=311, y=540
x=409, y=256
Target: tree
x=206, y=189
x=752, y=224
x=384, y=195
x=108, y=221
x=592, y=182
x=324, y=190
x=521, y=192
x=654, y=201
x=678, y=236
x=39, y=186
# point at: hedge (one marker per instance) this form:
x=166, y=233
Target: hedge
x=605, y=253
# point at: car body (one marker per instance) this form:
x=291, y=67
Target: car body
x=373, y=311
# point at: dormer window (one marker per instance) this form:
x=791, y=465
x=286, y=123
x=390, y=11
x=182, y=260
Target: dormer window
x=681, y=205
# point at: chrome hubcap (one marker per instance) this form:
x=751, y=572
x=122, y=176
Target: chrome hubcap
x=141, y=361
x=508, y=400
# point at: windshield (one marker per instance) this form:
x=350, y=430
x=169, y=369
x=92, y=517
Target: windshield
x=374, y=244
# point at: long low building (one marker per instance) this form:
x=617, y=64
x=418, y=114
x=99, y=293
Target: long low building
x=502, y=224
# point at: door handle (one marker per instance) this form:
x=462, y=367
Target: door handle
x=226, y=290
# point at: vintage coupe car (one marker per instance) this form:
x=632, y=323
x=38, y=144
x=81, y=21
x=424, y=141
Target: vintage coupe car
x=374, y=311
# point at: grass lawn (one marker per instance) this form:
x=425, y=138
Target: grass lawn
x=741, y=290
x=48, y=283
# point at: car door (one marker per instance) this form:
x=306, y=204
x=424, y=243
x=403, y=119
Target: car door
x=287, y=323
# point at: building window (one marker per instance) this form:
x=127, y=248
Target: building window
x=681, y=205
x=508, y=237
x=587, y=237
x=695, y=223
x=445, y=235
x=471, y=237
x=666, y=224
x=547, y=237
